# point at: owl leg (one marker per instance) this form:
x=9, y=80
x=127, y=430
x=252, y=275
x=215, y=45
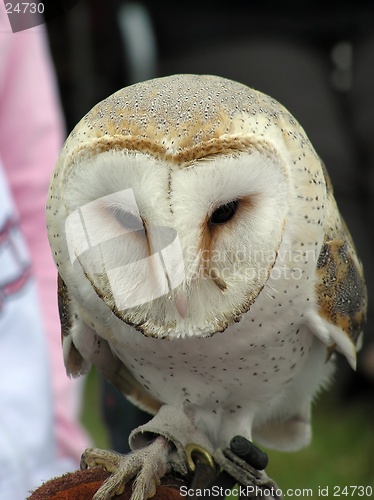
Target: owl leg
x=287, y=435
x=147, y=465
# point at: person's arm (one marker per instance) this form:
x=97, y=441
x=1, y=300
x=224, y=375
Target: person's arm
x=31, y=134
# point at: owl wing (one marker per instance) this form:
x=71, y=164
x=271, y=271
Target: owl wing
x=338, y=323
x=341, y=290
x=83, y=347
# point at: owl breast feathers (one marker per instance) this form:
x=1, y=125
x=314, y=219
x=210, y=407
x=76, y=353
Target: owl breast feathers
x=202, y=259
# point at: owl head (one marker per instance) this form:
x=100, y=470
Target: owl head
x=181, y=203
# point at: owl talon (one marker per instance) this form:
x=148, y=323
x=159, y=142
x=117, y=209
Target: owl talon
x=92, y=457
x=147, y=465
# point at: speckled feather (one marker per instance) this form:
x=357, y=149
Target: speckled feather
x=268, y=354
x=341, y=289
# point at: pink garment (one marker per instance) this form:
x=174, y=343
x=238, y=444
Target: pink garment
x=31, y=134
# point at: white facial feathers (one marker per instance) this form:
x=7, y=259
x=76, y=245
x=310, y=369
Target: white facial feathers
x=180, y=160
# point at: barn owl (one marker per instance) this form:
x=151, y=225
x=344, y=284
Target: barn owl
x=202, y=262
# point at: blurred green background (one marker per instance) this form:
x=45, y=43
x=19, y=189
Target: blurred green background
x=341, y=453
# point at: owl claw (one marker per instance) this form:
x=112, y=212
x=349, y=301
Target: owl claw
x=92, y=457
x=147, y=465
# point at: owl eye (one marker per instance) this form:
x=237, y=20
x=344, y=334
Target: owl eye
x=128, y=220
x=224, y=213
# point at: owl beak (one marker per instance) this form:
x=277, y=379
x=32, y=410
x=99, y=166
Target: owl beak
x=181, y=303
